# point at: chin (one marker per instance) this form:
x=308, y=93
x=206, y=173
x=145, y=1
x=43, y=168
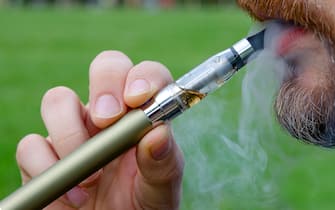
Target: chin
x=305, y=103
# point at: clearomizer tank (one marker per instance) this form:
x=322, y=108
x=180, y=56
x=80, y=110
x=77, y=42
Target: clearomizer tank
x=202, y=80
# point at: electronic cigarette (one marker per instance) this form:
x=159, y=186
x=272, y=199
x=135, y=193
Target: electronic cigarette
x=169, y=103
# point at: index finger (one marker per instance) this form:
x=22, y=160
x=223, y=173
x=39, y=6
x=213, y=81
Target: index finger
x=108, y=73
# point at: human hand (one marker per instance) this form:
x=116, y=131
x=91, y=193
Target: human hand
x=146, y=177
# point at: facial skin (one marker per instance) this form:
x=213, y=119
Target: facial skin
x=305, y=104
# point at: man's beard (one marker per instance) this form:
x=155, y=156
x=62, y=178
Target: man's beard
x=308, y=113
x=305, y=104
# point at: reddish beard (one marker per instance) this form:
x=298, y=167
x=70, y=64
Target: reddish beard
x=305, y=104
x=308, y=113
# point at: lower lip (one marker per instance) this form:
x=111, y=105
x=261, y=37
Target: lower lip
x=288, y=40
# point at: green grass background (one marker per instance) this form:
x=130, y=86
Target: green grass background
x=42, y=48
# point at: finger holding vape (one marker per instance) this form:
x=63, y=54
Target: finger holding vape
x=70, y=124
x=114, y=142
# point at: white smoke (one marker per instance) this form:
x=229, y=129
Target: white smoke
x=226, y=146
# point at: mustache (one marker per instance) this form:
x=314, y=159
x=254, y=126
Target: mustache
x=313, y=15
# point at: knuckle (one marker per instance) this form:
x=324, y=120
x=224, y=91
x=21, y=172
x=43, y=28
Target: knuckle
x=175, y=167
x=152, y=65
x=66, y=140
x=150, y=62
x=176, y=171
x=111, y=53
x=57, y=94
x=154, y=69
x=24, y=144
x=106, y=60
x=168, y=173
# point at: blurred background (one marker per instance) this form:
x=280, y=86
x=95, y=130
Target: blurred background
x=47, y=43
x=119, y=3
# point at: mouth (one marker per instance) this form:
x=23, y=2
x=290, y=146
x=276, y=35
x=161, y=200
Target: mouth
x=300, y=51
x=289, y=40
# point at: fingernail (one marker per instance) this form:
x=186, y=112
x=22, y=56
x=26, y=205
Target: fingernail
x=77, y=197
x=139, y=87
x=160, y=149
x=107, y=106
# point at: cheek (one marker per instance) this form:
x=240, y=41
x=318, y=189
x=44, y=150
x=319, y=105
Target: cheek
x=315, y=73
x=312, y=64
x=312, y=78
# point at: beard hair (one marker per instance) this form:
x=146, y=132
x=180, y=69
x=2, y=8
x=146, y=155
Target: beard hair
x=308, y=113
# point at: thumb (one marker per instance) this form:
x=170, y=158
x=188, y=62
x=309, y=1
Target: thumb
x=160, y=163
